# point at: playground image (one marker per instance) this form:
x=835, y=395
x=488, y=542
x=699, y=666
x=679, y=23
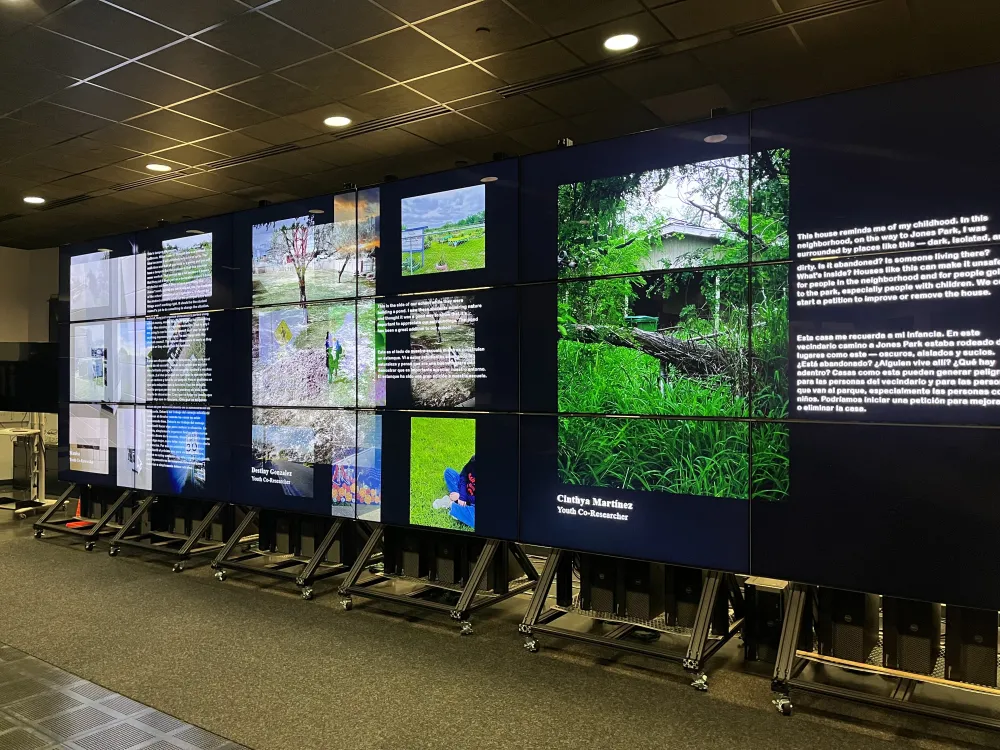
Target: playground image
x=315, y=355
x=443, y=472
x=297, y=260
x=444, y=231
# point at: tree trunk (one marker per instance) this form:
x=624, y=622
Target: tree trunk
x=693, y=358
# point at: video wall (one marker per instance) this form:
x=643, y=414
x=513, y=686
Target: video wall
x=761, y=343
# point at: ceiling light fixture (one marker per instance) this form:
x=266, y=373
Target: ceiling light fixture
x=717, y=138
x=316, y=211
x=194, y=231
x=489, y=179
x=337, y=121
x=158, y=167
x=34, y=200
x=620, y=42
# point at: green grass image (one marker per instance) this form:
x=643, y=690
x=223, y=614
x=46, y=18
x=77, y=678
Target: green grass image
x=278, y=286
x=439, y=246
x=184, y=264
x=437, y=444
x=770, y=461
x=656, y=455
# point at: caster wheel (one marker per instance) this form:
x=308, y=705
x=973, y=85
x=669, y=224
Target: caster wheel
x=373, y=569
x=307, y=594
x=466, y=628
x=347, y=604
x=89, y=546
x=178, y=567
x=113, y=551
x=220, y=575
x=38, y=533
x=700, y=683
x=22, y=516
x=531, y=645
x=783, y=705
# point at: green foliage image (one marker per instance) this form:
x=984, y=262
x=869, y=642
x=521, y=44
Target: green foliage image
x=437, y=444
x=660, y=315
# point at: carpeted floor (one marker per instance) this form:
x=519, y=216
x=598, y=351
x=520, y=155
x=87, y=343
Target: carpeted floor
x=249, y=660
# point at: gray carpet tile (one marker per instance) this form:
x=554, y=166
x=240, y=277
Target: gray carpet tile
x=249, y=660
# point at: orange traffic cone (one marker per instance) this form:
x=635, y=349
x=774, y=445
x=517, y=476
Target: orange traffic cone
x=79, y=507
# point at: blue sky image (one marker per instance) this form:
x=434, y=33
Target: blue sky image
x=262, y=233
x=435, y=209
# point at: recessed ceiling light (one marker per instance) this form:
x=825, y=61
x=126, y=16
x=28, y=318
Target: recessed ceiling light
x=34, y=200
x=489, y=179
x=620, y=42
x=717, y=138
x=195, y=231
x=316, y=211
x=337, y=121
x=158, y=167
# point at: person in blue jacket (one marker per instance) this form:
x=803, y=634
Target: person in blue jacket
x=461, y=497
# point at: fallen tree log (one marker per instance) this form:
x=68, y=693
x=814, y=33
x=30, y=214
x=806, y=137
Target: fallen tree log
x=693, y=358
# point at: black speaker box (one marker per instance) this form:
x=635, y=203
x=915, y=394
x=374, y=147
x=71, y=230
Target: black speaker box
x=600, y=583
x=645, y=589
x=683, y=595
x=765, y=617
x=414, y=557
x=970, y=639
x=911, y=635
x=451, y=560
x=848, y=624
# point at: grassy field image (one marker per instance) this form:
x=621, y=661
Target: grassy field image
x=187, y=268
x=297, y=260
x=436, y=445
x=319, y=355
x=770, y=461
x=444, y=231
x=684, y=457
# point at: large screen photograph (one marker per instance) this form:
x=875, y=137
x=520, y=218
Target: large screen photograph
x=444, y=231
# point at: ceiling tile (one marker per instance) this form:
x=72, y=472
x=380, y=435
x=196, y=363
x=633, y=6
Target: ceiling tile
x=60, y=118
x=138, y=164
x=632, y=118
x=133, y=138
x=686, y=106
x=81, y=183
x=109, y=28
x=693, y=17
x=148, y=196
x=175, y=125
x=57, y=53
x=219, y=182
x=392, y=101
x=336, y=75
x=277, y=95
x=589, y=44
x=294, y=163
x=415, y=10
x=100, y=101
x=447, y=129
x=536, y=61
x=546, y=135
x=280, y=131
x=233, y=144
x=190, y=155
x=481, y=150
x=564, y=16
x=16, y=16
x=875, y=24
x=765, y=52
x=32, y=81
x=117, y=174
x=148, y=84
x=186, y=16
x=334, y=22
x=457, y=83
x=26, y=169
x=507, y=29
x=507, y=114
x=262, y=41
x=404, y=54
x=98, y=153
x=579, y=97
x=342, y=153
x=178, y=190
x=251, y=174
x=388, y=142
x=661, y=76
x=223, y=111
x=201, y=64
